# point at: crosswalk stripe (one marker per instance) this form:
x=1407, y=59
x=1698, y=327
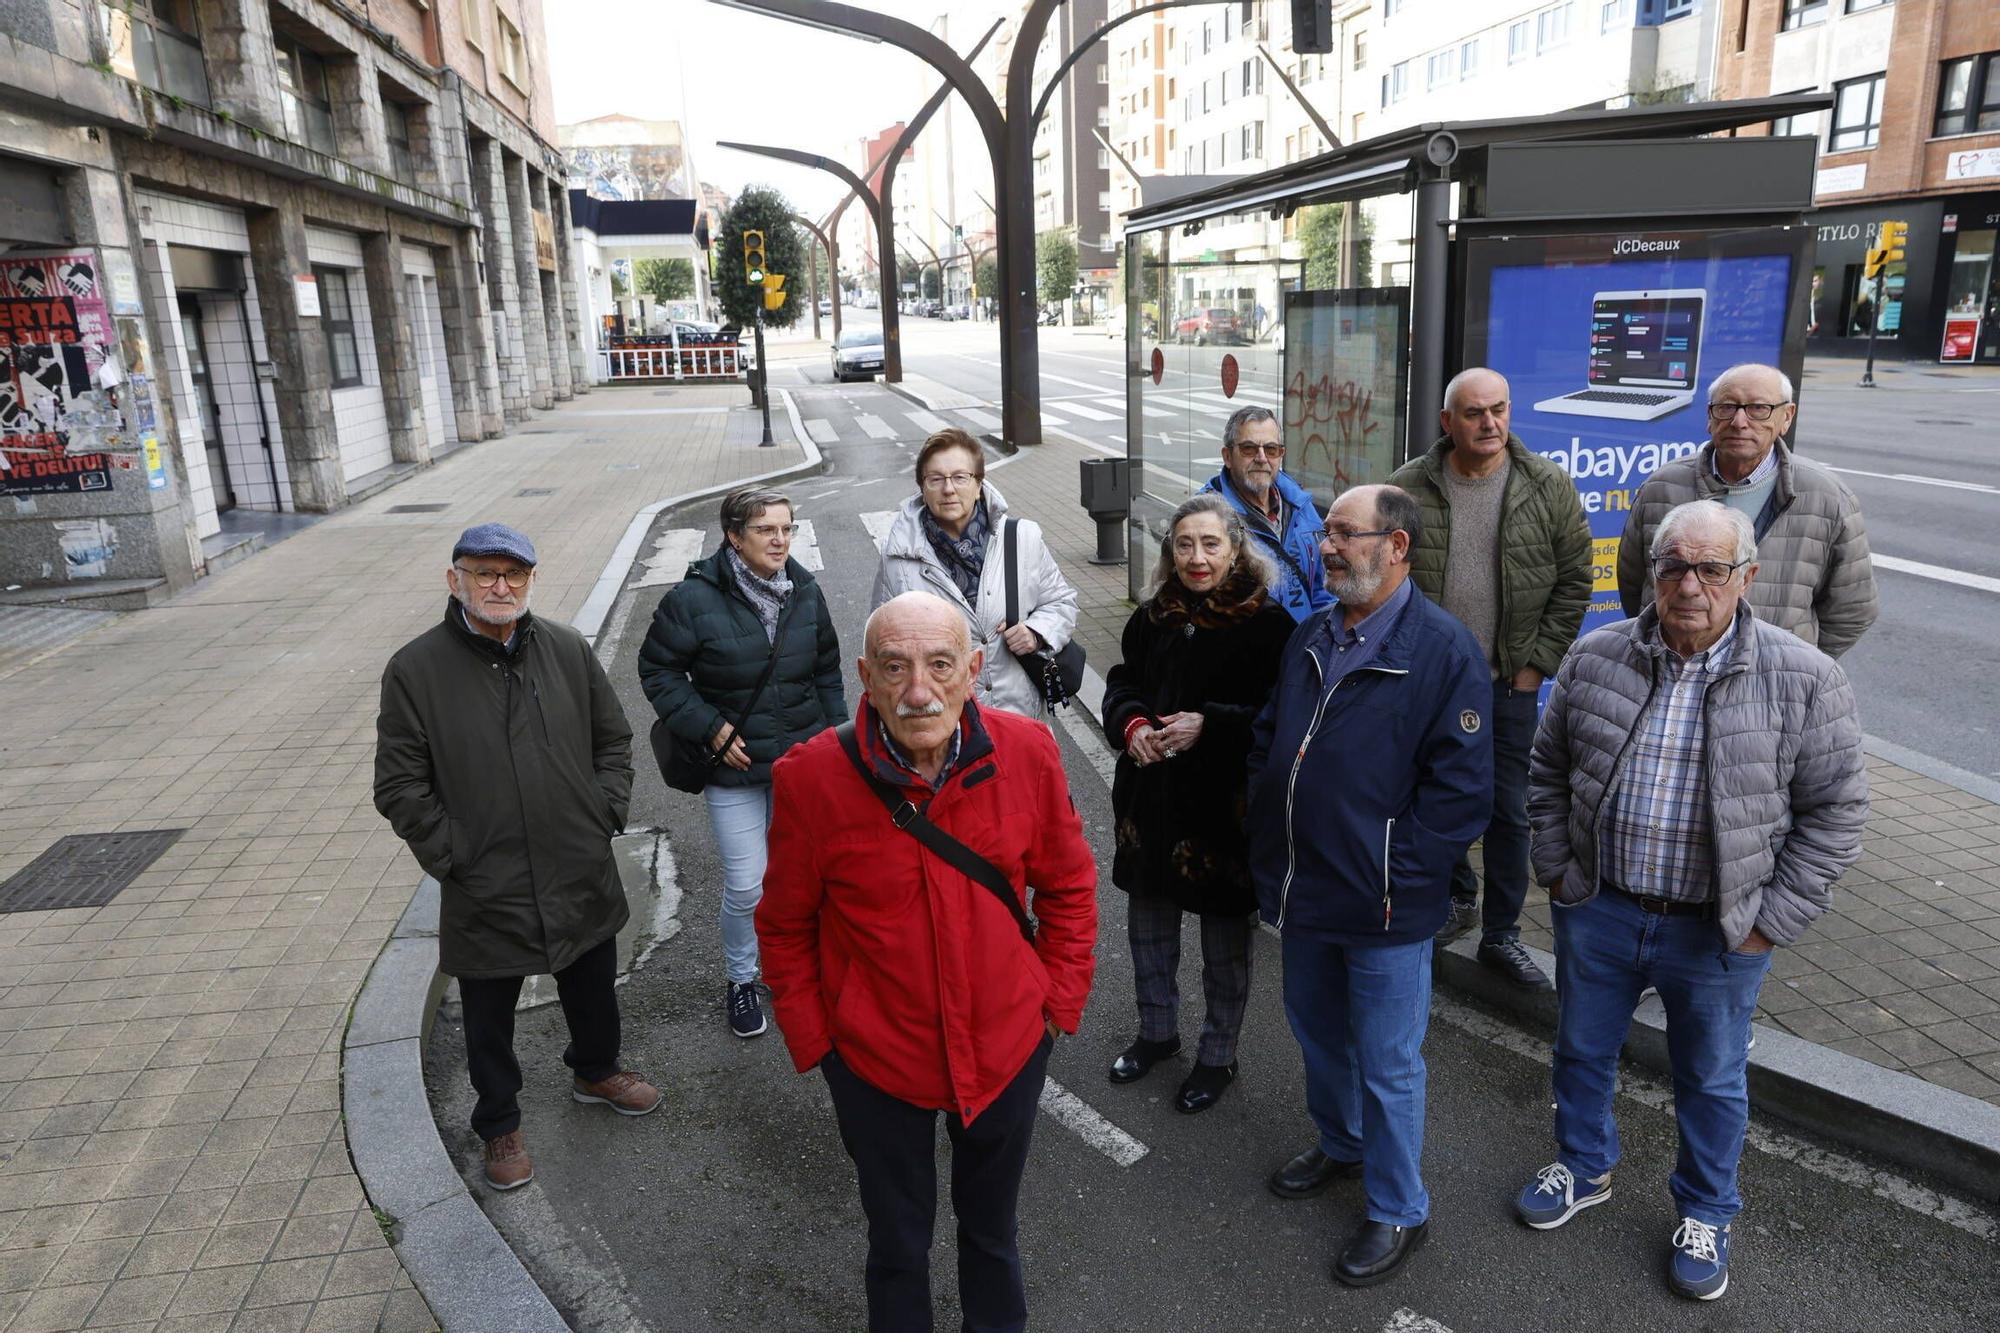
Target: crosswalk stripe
x=927, y=422
x=877, y=428
x=822, y=431
x=1229, y=403
x=878, y=524
x=1051, y=419
x=805, y=547
x=983, y=420
x=1090, y=413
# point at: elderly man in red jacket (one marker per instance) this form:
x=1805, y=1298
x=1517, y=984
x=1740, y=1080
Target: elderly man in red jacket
x=904, y=965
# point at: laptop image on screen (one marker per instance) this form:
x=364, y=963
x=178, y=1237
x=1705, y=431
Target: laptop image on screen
x=1645, y=355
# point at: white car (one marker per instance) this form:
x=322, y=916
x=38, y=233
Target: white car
x=857, y=355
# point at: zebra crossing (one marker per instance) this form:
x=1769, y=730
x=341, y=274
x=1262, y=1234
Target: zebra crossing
x=908, y=426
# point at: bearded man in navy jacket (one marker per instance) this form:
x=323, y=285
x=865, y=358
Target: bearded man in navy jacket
x=1371, y=772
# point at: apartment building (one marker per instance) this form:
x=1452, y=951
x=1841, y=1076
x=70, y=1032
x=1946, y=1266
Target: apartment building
x=271, y=255
x=1913, y=136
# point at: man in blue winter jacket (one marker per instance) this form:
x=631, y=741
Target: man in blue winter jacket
x=1277, y=510
x=1371, y=772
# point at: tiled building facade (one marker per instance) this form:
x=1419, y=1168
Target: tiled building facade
x=305, y=248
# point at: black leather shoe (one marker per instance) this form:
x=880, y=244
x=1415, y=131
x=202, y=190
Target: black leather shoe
x=1310, y=1173
x=1138, y=1059
x=1377, y=1251
x=1204, y=1087
x=1463, y=916
x=1510, y=959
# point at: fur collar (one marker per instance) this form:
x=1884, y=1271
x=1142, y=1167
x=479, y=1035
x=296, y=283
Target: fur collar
x=1237, y=598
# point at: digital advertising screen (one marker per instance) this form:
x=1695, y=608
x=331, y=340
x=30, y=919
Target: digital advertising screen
x=1609, y=342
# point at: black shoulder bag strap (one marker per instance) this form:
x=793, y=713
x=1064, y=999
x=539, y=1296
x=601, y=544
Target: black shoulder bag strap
x=913, y=821
x=757, y=691
x=1009, y=551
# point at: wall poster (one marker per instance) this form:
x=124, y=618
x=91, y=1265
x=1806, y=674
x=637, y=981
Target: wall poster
x=56, y=335
x=1346, y=376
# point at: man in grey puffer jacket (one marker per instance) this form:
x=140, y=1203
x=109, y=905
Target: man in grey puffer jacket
x=1817, y=579
x=1696, y=787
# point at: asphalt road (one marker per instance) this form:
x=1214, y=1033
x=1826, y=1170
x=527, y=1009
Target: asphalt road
x=733, y=1207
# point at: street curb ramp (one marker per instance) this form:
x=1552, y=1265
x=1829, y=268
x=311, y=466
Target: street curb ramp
x=465, y=1270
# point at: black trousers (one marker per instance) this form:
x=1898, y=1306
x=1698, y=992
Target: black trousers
x=587, y=989
x=893, y=1145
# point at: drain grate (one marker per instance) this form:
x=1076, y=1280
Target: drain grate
x=526, y=491
x=417, y=509
x=84, y=870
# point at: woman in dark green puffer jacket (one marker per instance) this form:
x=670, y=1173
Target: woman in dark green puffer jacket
x=710, y=640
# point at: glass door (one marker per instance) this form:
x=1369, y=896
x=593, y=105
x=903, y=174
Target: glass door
x=204, y=397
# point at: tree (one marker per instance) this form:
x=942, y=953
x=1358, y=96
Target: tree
x=760, y=208
x=986, y=276
x=1319, y=242
x=1055, y=265
x=665, y=279
x=927, y=282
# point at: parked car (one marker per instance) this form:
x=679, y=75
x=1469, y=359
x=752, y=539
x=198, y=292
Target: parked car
x=826, y=305
x=1214, y=324
x=857, y=354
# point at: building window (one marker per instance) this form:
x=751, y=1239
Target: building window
x=396, y=124
x=1674, y=9
x=472, y=17
x=1104, y=74
x=1614, y=14
x=1857, y=114
x=1391, y=8
x=1798, y=13
x=1552, y=26
x=1440, y=69
x=1103, y=157
x=1399, y=81
x=157, y=43
x=1803, y=124
x=1253, y=140
x=1360, y=49
x=1856, y=6
x=336, y=320
x=1969, y=95
x=1517, y=42
x=513, y=55
x=1468, y=59
x=302, y=89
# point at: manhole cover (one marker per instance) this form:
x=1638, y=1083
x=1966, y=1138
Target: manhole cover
x=418, y=509
x=535, y=490
x=84, y=870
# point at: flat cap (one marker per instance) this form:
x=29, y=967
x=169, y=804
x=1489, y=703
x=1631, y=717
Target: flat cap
x=494, y=539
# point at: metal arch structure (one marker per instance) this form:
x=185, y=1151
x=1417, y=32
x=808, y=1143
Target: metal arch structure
x=833, y=267
x=1083, y=49
x=936, y=263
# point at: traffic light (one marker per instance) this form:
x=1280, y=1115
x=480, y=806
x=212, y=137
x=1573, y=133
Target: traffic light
x=1888, y=249
x=754, y=263
x=1312, y=27
x=774, y=290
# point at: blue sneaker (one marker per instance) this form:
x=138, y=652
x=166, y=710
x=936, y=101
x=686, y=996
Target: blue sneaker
x=1556, y=1196
x=1699, y=1269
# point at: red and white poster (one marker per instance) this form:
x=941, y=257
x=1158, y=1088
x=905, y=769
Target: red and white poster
x=55, y=329
x=1961, y=338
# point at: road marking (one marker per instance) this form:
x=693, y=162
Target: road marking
x=1075, y=1114
x=876, y=428
x=1075, y=384
x=1649, y=1091
x=1918, y=480
x=822, y=431
x=983, y=420
x=805, y=547
x=645, y=411
x=1051, y=419
x=672, y=554
x=878, y=525
x=1077, y=409
x=1938, y=572
x=926, y=422
x=1406, y=1320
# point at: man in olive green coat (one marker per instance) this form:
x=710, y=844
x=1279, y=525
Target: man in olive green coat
x=503, y=759
x=1506, y=549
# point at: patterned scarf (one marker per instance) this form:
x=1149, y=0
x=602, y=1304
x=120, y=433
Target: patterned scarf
x=767, y=596
x=963, y=557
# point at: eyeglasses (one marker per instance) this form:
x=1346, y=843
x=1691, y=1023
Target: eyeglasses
x=957, y=481
x=1341, y=536
x=1755, y=411
x=763, y=532
x=1714, y=573
x=1257, y=450
x=486, y=578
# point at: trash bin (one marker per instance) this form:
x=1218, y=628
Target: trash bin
x=1107, y=498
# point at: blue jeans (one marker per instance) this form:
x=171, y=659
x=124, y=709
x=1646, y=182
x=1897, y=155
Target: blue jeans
x=1504, y=848
x=1607, y=951
x=1359, y=1015
x=741, y=817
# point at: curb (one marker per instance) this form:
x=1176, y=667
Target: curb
x=465, y=1270
x=1847, y=1100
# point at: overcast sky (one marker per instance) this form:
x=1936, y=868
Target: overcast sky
x=693, y=61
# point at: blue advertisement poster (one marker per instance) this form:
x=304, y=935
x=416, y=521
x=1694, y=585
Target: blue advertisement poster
x=1609, y=343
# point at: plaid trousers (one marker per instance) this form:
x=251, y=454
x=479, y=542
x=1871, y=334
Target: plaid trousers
x=1154, y=928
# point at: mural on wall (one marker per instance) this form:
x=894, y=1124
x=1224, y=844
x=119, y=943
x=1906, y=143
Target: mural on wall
x=629, y=171
x=55, y=336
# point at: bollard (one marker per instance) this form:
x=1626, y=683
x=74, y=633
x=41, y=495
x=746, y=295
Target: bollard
x=1107, y=498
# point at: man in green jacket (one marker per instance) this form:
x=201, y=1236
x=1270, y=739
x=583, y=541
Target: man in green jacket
x=503, y=759
x=1506, y=549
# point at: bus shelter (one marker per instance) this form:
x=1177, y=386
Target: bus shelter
x=1610, y=263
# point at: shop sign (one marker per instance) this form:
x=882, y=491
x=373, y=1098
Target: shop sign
x=545, y=241
x=1972, y=164
x=1961, y=337
x=1840, y=180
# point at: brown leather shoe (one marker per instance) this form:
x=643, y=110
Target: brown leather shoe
x=624, y=1092
x=507, y=1164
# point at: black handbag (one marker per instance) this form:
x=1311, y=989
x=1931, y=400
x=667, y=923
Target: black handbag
x=912, y=820
x=686, y=764
x=1058, y=674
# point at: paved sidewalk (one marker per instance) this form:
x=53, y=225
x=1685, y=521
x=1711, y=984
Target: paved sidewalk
x=171, y=1149
x=1904, y=973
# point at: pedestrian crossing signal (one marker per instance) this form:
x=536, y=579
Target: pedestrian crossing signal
x=754, y=262
x=1888, y=249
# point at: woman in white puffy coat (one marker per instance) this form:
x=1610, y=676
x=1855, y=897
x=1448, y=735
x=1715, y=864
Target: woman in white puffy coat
x=947, y=540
